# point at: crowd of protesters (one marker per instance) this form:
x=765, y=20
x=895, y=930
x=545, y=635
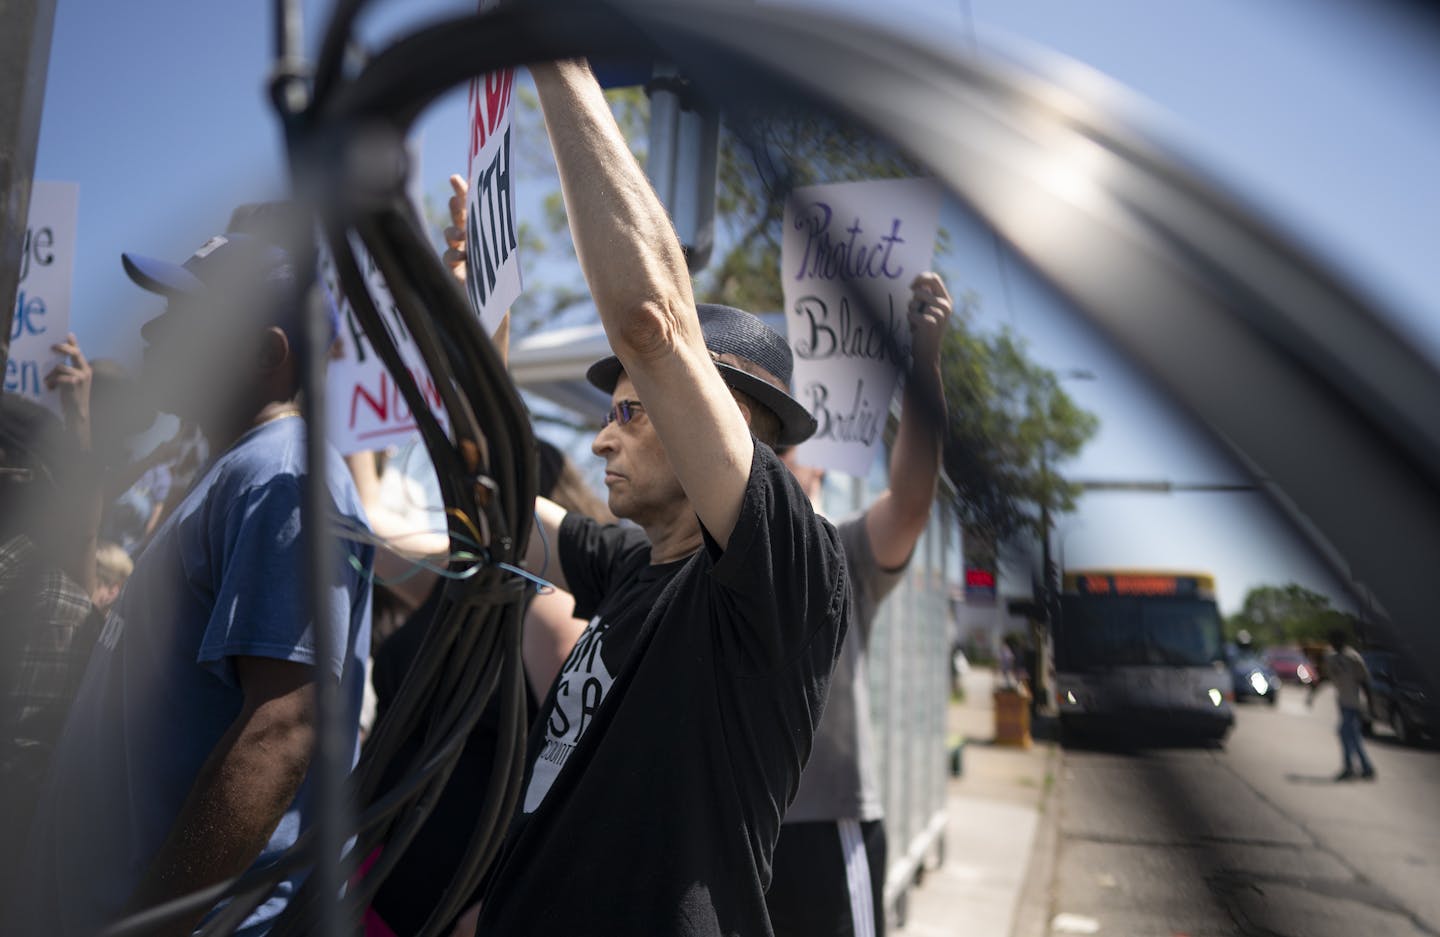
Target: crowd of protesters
x=699, y=760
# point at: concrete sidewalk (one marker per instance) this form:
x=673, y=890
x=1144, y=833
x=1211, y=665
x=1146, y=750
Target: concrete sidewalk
x=994, y=816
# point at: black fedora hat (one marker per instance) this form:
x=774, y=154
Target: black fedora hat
x=730, y=331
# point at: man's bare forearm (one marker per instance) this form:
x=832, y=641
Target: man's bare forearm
x=898, y=517
x=242, y=791
x=915, y=460
x=627, y=247
x=636, y=272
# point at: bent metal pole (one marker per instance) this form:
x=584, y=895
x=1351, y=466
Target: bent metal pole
x=24, y=61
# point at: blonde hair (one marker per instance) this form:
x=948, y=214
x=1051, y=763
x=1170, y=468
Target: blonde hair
x=112, y=564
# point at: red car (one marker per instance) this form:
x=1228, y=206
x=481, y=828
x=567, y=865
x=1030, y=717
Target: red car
x=1291, y=665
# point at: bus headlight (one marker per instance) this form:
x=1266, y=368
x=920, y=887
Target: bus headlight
x=1216, y=697
x=1259, y=683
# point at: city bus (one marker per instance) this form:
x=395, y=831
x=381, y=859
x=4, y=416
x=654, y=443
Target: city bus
x=1141, y=650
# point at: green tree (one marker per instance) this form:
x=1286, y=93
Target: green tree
x=763, y=157
x=1011, y=428
x=1288, y=614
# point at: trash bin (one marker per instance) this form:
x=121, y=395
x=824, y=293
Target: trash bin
x=1012, y=716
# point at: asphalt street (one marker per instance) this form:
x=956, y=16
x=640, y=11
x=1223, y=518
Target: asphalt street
x=1253, y=838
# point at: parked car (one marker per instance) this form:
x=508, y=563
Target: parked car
x=1398, y=698
x=1291, y=665
x=1253, y=678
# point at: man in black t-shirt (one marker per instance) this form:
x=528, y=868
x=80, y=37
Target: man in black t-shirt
x=673, y=739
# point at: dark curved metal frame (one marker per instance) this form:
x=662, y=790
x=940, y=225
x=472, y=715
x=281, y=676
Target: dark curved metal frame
x=1296, y=371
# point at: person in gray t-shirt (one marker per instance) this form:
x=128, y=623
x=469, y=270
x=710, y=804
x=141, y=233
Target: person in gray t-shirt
x=828, y=873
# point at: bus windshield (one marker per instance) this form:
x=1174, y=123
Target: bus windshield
x=1097, y=632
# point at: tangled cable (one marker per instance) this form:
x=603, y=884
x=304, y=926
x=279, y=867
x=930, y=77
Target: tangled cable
x=486, y=466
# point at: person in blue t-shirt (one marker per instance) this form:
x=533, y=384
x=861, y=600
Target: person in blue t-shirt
x=185, y=757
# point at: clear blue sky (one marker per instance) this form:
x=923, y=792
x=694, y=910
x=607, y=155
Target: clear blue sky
x=1323, y=114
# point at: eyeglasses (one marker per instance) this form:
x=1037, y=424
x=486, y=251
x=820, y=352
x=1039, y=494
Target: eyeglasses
x=623, y=412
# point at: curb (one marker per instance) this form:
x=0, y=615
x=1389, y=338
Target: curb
x=1033, y=906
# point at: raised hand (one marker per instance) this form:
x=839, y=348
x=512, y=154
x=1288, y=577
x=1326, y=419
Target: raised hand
x=454, y=256
x=72, y=381
x=930, y=309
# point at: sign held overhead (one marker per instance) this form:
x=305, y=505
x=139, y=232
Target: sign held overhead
x=42, y=298
x=849, y=254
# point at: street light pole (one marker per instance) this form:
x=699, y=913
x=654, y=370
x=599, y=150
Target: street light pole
x=1064, y=538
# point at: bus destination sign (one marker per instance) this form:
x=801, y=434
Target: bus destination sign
x=1146, y=584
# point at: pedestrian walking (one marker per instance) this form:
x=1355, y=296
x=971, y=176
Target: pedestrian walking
x=1346, y=670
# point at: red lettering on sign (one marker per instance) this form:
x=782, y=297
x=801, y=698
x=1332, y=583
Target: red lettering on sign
x=380, y=408
x=387, y=405
x=488, y=108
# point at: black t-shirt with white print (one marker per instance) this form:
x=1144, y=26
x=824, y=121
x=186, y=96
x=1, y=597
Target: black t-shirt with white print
x=674, y=737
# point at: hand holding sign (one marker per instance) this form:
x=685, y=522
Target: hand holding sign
x=454, y=256
x=930, y=309
x=72, y=381
x=455, y=259
x=42, y=299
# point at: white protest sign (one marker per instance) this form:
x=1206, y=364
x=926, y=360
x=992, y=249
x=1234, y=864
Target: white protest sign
x=849, y=254
x=365, y=409
x=492, y=260
x=42, y=299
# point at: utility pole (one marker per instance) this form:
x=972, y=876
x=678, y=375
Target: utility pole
x=24, y=60
x=1049, y=575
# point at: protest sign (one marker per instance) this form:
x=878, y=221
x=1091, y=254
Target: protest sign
x=42, y=299
x=848, y=256
x=492, y=260
x=365, y=409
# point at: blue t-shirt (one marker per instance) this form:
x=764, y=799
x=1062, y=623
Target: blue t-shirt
x=223, y=577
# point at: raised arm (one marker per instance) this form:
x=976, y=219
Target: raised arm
x=637, y=276
x=897, y=518
x=73, y=382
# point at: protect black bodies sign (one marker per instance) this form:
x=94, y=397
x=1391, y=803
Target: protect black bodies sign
x=849, y=254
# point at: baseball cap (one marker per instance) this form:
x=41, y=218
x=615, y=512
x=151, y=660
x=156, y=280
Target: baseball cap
x=224, y=262
x=235, y=267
